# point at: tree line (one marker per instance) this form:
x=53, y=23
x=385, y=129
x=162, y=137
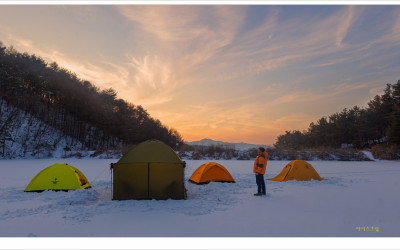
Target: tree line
x=57, y=96
x=359, y=127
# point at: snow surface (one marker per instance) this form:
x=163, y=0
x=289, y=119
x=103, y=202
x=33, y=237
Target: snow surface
x=355, y=194
x=369, y=155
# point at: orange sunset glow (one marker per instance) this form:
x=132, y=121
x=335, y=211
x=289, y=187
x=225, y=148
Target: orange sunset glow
x=227, y=72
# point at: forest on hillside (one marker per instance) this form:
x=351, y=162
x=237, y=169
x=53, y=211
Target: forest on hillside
x=358, y=127
x=96, y=118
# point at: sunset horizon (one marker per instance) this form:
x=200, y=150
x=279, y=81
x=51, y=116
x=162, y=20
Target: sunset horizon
x=230, y=73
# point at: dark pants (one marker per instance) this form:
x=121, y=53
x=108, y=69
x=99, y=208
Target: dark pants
x=260, y=183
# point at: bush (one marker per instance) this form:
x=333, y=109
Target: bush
x=386, y=152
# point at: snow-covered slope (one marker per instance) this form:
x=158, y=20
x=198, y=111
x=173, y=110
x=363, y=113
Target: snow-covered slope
x=24, y=136
x=238, y=146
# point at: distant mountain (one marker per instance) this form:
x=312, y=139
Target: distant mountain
x=237, y=146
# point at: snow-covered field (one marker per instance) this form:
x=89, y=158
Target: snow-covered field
x=355, y=195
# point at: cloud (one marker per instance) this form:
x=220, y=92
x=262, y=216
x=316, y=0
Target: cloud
x=310, y=96
x=344, y=26
x=153, y=80
x=184, y=38
x=195, y=31
x=395, y=32
x=376, y=91
x=283, y=43
x=166, y=23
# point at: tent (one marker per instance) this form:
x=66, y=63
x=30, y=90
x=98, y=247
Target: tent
x=58, y=177
x=211, y=171
x=298, y=170
x=150, y=170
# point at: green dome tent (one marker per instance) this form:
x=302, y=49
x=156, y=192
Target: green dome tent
x=58, y=177
x=150, y=170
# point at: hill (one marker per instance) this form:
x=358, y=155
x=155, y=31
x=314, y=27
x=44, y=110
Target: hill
x=358, y=127
x=24, y=136
x=93, y=118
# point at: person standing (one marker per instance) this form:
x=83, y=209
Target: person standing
x=260, y=164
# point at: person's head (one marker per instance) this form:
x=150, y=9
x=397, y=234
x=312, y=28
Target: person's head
x=261, y=150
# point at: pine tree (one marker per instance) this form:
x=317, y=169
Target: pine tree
x=393, y=130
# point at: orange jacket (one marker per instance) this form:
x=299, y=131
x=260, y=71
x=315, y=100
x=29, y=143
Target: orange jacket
x=260, y=164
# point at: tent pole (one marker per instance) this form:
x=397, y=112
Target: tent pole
x=148, y=180
x=111, y=169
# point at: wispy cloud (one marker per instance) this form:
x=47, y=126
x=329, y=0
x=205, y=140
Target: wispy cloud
x=153, y=80
x=321, y=95
x=183, y=38
x=278, y=44
x=344, y=26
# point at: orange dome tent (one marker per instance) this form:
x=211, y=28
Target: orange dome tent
x=211, y=171
x=298, y=170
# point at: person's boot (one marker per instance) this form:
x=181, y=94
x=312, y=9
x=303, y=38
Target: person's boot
x=258, y=194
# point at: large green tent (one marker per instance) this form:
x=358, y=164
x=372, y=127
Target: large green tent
x=150, y=170
x=58, y=177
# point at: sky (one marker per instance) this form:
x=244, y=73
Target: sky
x=236, y=73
